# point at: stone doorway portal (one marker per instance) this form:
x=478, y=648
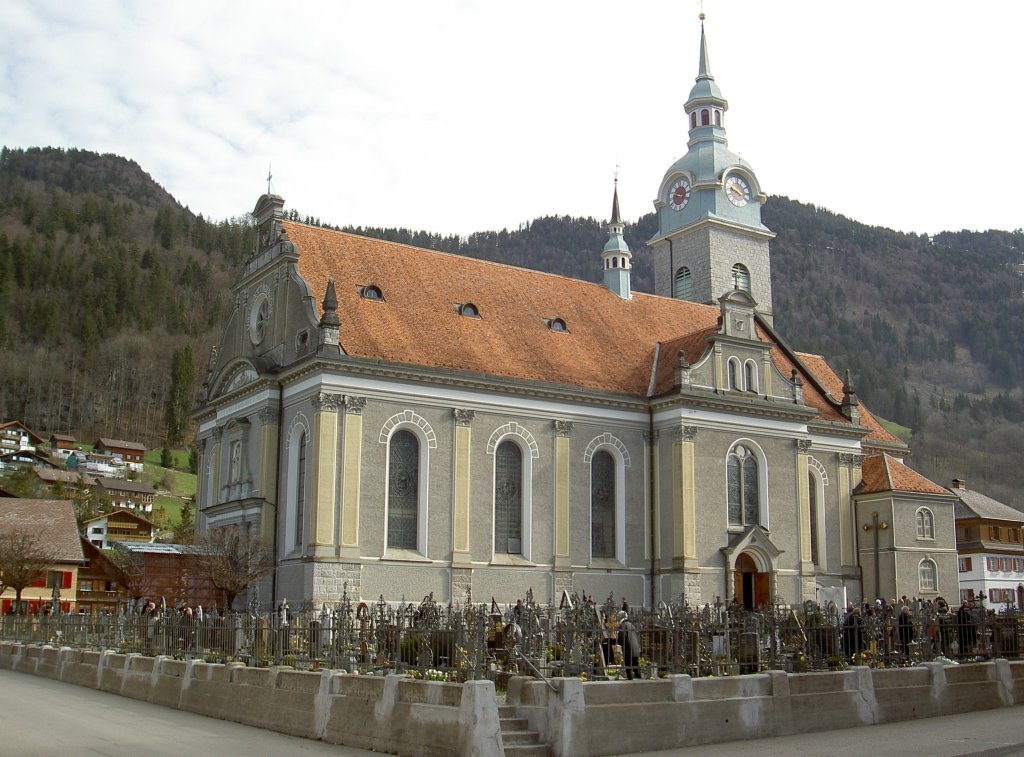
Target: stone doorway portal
x=752, y=586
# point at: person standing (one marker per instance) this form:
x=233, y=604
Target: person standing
x=629, y=640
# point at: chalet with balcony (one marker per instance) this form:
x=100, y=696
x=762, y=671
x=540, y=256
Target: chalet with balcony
x=118, y=526
x=132, y=453
x=991, y=553
x=125, y=494
x=15, y=436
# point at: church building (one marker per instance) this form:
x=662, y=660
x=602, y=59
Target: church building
x=401, y=422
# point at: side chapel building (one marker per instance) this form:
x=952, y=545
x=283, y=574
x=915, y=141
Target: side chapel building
x=402, y=422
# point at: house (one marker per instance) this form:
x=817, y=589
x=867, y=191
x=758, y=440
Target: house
x=99, y=582
x=52, y=524
x=988, y=539
x=66, y=478
x=15, y=436
x=400, y=422
x=24, y=459
x=120, y=492
x=132, y=453
x=62, y=445
x=120, y=526
x=156, y=571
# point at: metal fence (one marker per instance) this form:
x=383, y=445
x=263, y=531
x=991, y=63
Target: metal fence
x=578, y=637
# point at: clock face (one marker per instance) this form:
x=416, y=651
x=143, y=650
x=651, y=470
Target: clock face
x=679, y=194
x=737, y=190
x=258, y=319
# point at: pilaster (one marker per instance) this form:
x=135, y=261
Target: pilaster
x=652, y=510
x=324, y=473
x=849, y=476
x=684, y=499
x=562, y=431
x=803, y=497
x=462, y=479
x=352, y=457
x=267, y=476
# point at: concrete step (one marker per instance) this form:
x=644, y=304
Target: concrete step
x=519, y=738
x=537, y=750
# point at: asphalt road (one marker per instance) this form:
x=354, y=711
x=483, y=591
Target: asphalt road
x=40, y=717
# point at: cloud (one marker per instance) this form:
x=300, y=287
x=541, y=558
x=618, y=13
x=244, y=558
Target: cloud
x=462, y=116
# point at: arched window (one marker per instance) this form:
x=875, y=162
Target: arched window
x=300, y=490
x=750, y=376
x=602, y=504
x=705, y=117
x=812, y=499
x=740, y=277
x=693, y=120
x=734, y=373
x=925, y=524
x=928, y=575
x=508, y=499
x=718, y=118
x=403, y=489
x=684, y=284
x=744, y=488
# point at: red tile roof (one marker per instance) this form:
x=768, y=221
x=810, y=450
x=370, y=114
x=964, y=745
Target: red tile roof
x=882, y=473
x=834, y=385
x=51, y=521
x=610, y=345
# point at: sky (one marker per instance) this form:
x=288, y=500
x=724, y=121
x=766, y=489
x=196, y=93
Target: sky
x=455, y=116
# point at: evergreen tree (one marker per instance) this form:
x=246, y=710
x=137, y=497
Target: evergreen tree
x=179, y=396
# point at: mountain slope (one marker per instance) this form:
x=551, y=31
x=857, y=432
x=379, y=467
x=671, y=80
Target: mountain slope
x=103, y=275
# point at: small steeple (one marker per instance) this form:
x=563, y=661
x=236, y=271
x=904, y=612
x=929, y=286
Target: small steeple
x=616, y=257
x=850, y=402
x=330, y=324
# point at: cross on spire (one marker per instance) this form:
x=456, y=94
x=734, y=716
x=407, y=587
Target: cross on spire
x=270, y=177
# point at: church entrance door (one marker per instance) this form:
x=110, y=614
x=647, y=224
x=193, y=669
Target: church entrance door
x=751, y=585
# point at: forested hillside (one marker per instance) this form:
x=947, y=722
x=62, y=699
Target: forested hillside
x=103, y=276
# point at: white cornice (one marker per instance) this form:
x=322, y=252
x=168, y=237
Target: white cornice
x=497, y=402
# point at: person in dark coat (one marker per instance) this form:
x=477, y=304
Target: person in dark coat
x=967, y=634
x=629, y=640
x=904, y=632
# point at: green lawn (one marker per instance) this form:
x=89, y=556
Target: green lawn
x=184, y=484
x=902, y=432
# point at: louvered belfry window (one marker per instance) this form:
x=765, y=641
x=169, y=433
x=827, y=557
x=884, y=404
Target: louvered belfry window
x=744, y=494
x=403, y=489
x=602, y=505
x=508, y=499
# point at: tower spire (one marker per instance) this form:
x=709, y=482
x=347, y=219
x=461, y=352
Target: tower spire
x=616, y=258
x=703, y=68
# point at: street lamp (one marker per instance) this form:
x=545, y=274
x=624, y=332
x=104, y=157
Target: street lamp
x=876, y=526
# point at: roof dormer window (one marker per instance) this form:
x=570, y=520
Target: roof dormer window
x=557, y=324
x=469, y=310
x=371, y=292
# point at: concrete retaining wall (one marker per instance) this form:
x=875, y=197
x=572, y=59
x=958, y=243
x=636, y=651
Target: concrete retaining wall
x=399, y=715
x=598, y=718
x=392, y=714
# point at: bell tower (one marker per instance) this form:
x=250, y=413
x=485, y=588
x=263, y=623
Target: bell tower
x=710, y=236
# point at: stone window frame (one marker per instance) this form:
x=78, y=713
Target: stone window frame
x=620, y=456
x=924, y=522
x=424, y=432
x=762, y=485
x=928, y=573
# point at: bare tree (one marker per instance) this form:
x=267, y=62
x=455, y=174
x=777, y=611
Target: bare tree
x=22, y=559
x=231, y=560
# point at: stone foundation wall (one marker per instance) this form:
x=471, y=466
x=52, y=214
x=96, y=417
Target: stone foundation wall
x=393, y=714
x=615, y=717
x=402, y=716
